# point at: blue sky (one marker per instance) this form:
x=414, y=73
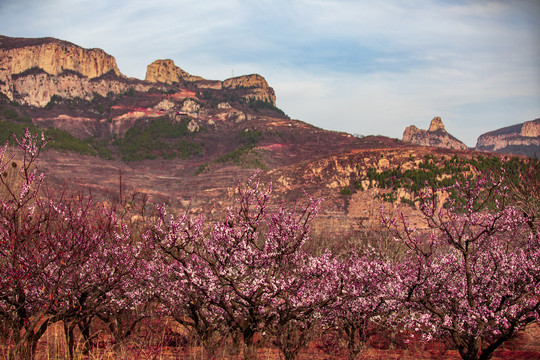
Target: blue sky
x=364, y=67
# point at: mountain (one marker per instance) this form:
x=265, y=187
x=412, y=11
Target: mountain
x=435, y=136
x=187, y=141
x=520, y=139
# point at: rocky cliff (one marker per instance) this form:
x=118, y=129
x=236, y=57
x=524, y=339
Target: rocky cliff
x=435, y=136
x=520, y=139
x=54, y=57
x=250, y=87
x=32, y=71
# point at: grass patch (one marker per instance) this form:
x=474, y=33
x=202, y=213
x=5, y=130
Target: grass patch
x=158, y=138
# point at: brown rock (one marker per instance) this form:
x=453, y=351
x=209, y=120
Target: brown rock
x=165, y=71
x=435, y=136
x=436, y=124
x=519, y=139
x=530, y=129
x=32, y=71
x=54, y=56
x=256, y=84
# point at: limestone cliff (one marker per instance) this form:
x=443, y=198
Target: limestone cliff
x=32, y=71
x=435, y=136
x=38, y=89
x=54, y=57
x=520, y=139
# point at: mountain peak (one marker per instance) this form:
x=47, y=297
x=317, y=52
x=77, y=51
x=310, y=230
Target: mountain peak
x=436, y=136
x=436, y=124
x=165, y=71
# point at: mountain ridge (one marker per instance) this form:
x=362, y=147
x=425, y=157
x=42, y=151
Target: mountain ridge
x=518, y=139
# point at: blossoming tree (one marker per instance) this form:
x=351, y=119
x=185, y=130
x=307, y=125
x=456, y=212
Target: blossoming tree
x=62, y=257
x=250, y=265
x=473, y=277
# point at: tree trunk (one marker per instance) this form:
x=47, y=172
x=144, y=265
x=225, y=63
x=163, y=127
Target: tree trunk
x=25, y=348
x=356, y=338
x=84, y=326
x=470, y=350
x=236, y=337
x=70, y=340
x=250, y=349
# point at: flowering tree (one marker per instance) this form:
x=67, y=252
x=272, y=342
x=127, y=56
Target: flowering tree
x=178, y=290
x=301, y=309
x=367, y=298
x=250, y=266
x=473, y=277
x=61, y=257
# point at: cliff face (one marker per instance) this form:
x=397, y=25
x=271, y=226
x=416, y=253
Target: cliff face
x=32, y=71
x=54, y=57
x=435, y=136
x=520, y=139
x=38, y=89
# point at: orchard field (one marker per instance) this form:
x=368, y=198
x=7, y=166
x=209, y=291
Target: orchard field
x=86, y=280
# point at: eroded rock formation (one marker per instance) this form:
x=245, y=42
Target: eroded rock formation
x=435, y=136
x=252, y=87
x=256, y=84
x=165, y=71
x=54, y=57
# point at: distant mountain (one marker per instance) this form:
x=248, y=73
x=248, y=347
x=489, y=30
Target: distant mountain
x=435, y=136
x=520, y=139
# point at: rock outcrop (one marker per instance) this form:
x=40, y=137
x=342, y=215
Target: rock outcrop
x=165, y=71
x=435, y=136
x=32, y=71
x=520, y=139
x=256, y=86
x=249, y=87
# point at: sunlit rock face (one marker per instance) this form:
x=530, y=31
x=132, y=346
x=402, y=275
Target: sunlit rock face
x=53, y=56
x=32, y=71
x=520, y=139
x=258, y=88
x=165, y=71
x=435, y=136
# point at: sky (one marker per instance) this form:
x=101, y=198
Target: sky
x=359, y=66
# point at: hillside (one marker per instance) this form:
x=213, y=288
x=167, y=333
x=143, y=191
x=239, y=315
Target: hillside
x=186, y=140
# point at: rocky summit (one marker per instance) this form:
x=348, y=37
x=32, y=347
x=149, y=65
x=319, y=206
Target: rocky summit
x=254, y=86
x=167, y=72
x=435, y=136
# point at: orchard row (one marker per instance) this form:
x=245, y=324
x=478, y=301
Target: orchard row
x=472, y=279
